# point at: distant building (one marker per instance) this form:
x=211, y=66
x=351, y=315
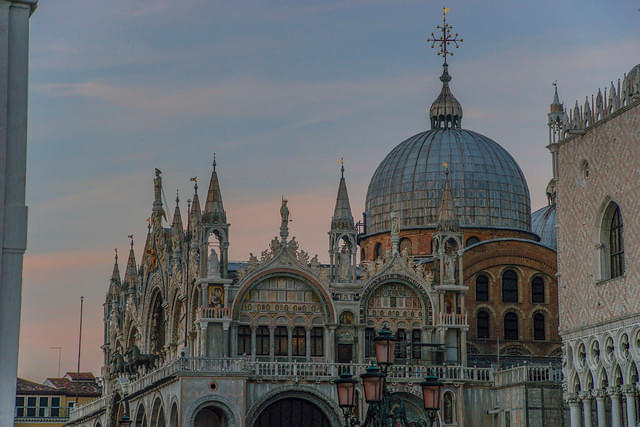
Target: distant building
x=596, y=149
x=49, y=403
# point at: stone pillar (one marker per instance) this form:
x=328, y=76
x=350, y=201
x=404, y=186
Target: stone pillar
x=360, y=355
x=463, y=346
x=271, y=342
x=225, y=340
x=233, y=336
x=630, y=398
x=574, y=412
x=289, y=343
x=307, y=344
x=615, y=407
x=330, y=343
x=14, y=66
x=203, y=339
x=253, y=343
x=601, y=408
x=586, y=408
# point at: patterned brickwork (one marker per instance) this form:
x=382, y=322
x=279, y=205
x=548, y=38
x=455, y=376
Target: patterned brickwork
x=612, y=151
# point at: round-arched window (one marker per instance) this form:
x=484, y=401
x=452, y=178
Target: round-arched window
x=509, y=286
x=510, y=326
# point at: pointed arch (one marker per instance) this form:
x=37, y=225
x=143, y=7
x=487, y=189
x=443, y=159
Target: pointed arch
x=610, y=240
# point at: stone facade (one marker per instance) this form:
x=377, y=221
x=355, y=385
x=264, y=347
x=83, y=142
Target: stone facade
x=598, y=152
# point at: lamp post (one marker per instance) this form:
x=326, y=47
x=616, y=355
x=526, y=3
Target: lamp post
x=384, y=409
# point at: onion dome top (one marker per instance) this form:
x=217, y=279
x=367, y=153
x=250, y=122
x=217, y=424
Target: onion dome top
x=489, y=189
x=445, y=111
x=543, y=223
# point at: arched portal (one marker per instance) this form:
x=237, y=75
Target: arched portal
x=141, y=417
x=292, y=412
x=157, y=414
x=210, y=416
x=173, y=420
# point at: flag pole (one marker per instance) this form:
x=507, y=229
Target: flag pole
x=79, y=341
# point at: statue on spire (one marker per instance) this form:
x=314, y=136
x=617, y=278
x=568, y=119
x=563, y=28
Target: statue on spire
x=284, y=220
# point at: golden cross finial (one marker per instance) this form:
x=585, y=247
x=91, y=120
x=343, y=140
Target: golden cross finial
x=445, y=39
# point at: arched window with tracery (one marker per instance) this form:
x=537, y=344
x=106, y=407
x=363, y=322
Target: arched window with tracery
x=611, y=246
x=281, y=338
x=537, y=290
x=510, y=326
x=538, y=327
x=298, y=341
x=244, y=340
x=482, y=288
x=509, y=286
x=262, y=341
x=482, y=323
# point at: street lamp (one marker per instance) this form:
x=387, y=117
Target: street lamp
x=384, y=409
x=431, y=395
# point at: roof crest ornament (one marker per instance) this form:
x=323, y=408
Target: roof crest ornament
x=445, y=39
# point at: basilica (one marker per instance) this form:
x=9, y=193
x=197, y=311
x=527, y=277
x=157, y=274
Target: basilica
x=448, y=256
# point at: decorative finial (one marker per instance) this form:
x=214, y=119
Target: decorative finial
x=214, y=161
x=116, y=250
x=130, y=236
x=341, y=161
x=445, y=165
x=177, y=197
x=445, y=39
x=195, y=181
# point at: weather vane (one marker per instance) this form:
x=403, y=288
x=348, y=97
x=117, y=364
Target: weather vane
x=445, y=39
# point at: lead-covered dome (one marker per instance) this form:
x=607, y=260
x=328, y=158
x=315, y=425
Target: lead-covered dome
x=488, y=186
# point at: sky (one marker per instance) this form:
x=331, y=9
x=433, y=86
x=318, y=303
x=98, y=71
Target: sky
x=279, y=90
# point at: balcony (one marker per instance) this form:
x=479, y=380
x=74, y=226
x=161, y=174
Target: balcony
x=214, y=313
x=453, y=320
x=528, y=374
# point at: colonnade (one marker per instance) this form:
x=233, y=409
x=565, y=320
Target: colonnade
x=614, y=406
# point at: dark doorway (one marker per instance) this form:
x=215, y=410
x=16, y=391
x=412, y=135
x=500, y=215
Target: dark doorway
x=210, y=417
x=345, y=353
x=292, y=412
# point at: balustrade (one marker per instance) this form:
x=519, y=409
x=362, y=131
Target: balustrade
x=453, y=319
x=214, y=312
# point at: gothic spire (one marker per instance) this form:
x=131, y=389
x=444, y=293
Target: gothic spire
x=132, y=271
x=447, y=219
x=115, y=275
x=196, y=213
x=213, y=208
x=342, y=218
x=177, y=218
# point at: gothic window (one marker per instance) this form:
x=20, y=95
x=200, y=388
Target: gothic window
x=262, y=341
x=616, y=244
x=482, y=288
x=377, y=251
x=416, y=338
x=281, y=338
x=472, y=240
x=405, y=244
x=509, y=286
x=298, y=341
x=244, y=340
x=401, y=344
x=482, y=322
x=369, y=346
x=538, y=327
x=510, y=326
x=317, y=342
x=537, y=290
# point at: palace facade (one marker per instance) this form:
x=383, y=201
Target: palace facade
x=596, y=149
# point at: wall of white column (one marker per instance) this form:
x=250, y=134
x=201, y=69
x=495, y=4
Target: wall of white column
x=580, y=407
x=14, y=64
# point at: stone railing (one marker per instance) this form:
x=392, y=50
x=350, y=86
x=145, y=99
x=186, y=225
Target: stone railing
x=226, y=365
x=87, y=409
x=214, y=312
x=453, y=319
x=524, y=374
x=153, y=377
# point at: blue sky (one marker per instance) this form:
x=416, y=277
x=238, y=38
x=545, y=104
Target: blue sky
x=280, y=90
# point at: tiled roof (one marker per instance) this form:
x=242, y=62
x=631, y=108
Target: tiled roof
x=29, y=387
x=76, y=388
x=80, y=376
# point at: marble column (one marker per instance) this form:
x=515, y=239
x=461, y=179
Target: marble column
x=330, y=343
x=307, y=344
x=574, y=412
x=271, y=342
x=586, y=408
x=253, y=344
x=14, y=66
x=615, y=407
x=601, y=408
x=360, y=355
x=289, y=343
x=630, y=398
